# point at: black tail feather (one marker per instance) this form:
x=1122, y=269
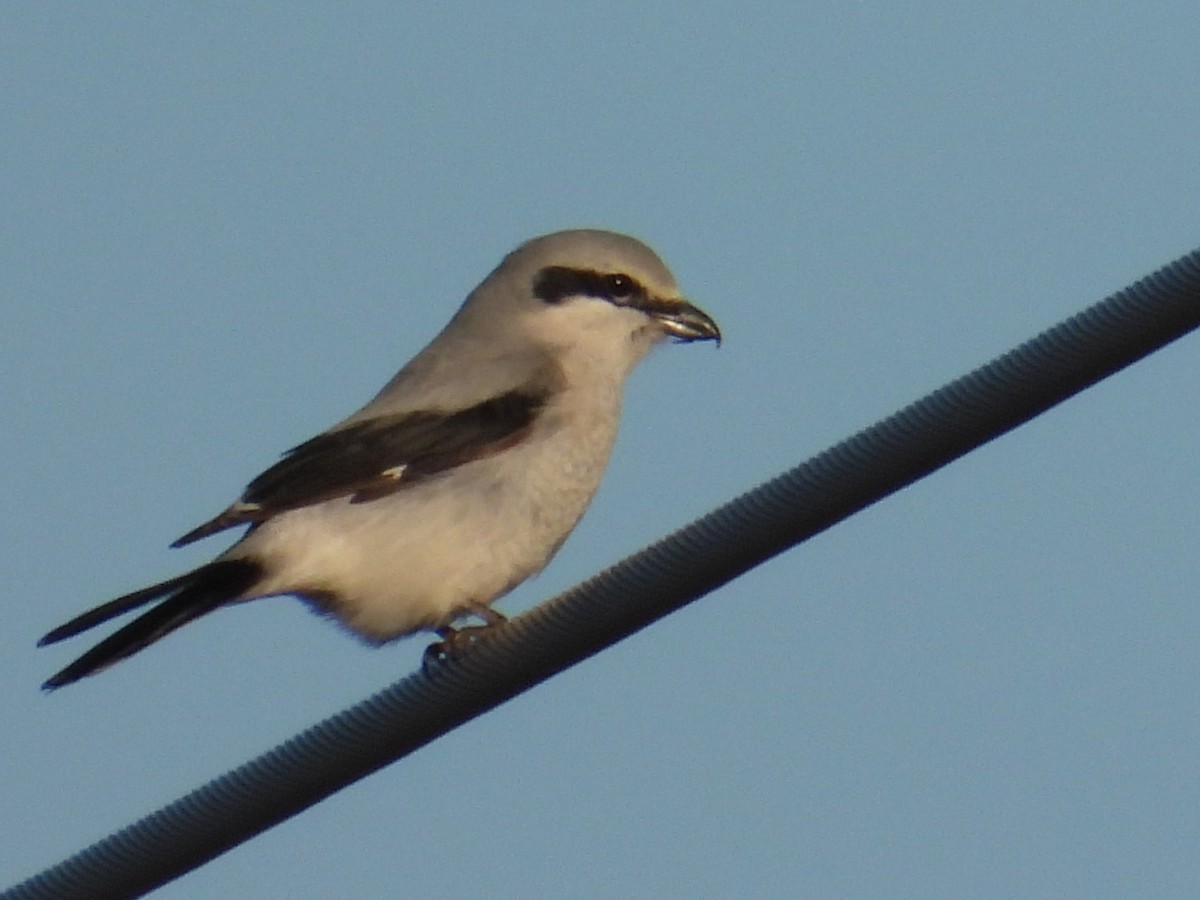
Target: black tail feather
x=114, y=608
x=187, y=597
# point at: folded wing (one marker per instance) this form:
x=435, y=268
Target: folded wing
x=373, y=458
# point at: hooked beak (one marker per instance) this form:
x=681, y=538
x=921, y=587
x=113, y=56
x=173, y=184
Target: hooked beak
x=684, y=322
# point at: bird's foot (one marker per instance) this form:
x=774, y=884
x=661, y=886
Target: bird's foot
x=455, y=640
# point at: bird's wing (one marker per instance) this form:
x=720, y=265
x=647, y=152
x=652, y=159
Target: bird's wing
x=373, y=458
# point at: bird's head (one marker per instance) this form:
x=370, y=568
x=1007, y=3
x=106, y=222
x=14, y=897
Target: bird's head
x=593, y=291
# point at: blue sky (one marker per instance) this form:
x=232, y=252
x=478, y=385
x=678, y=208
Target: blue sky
x=225, y=227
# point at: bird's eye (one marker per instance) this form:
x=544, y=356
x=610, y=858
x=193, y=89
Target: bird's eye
x=618, y=285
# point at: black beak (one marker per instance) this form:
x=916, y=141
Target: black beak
x=684, y=322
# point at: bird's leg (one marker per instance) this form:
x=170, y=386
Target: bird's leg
x=455, y=640
x=491, y=617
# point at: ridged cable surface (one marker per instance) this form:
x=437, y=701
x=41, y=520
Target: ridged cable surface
x=635, y=592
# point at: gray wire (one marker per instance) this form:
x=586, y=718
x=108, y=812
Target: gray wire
x=635, y=592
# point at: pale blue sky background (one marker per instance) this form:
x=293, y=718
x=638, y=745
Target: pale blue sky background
x=224, y=227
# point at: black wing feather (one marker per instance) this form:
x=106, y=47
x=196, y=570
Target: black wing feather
x=371, y=459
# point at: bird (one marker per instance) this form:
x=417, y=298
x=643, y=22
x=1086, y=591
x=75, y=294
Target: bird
x=459, y=480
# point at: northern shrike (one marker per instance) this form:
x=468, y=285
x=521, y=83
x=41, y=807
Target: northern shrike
x=460, y=479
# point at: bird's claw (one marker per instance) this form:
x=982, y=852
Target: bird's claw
x=456, y=640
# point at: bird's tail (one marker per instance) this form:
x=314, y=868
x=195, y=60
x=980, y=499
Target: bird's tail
x=184, y=598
